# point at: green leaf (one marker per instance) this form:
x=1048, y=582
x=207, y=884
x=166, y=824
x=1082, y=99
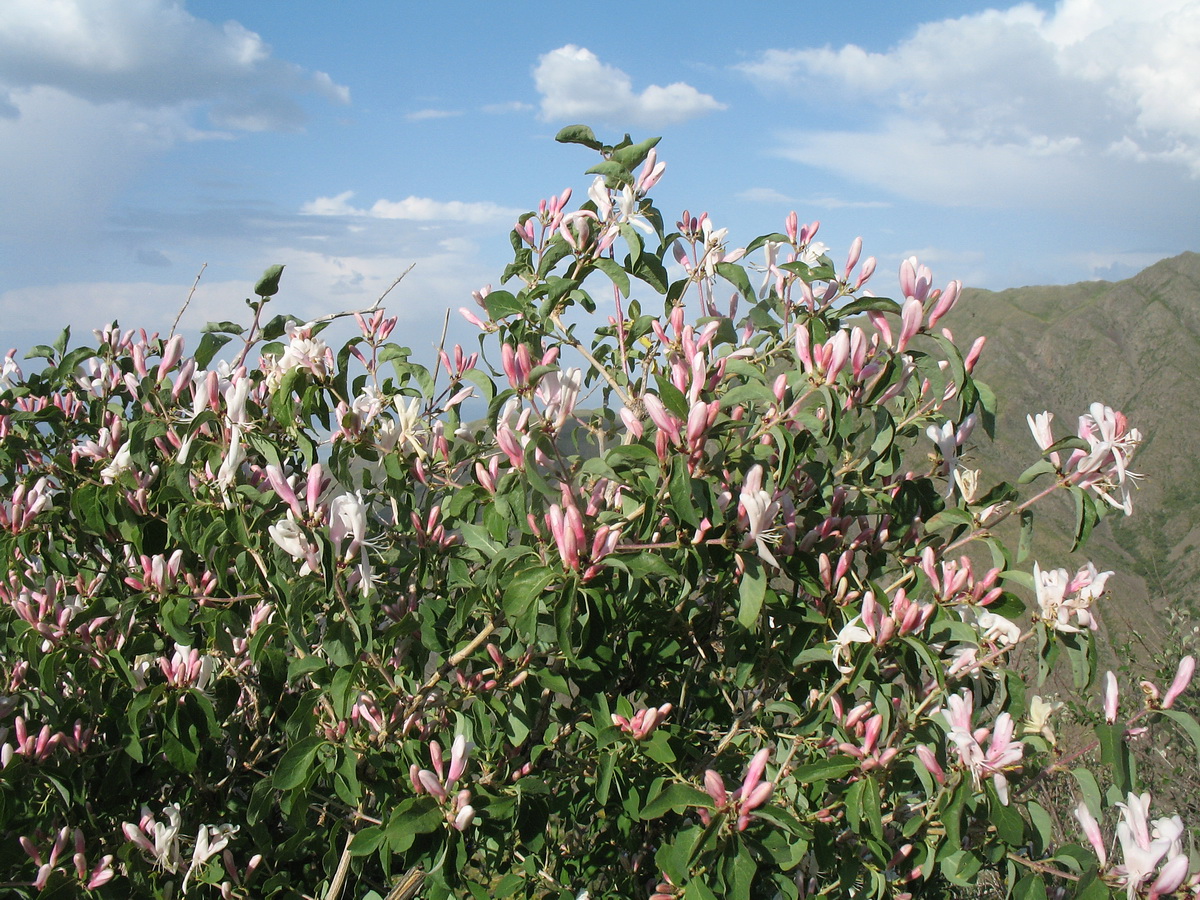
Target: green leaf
x=60, y=343
x=1114, y=754
x=296, y=763
x=736, y=275
x=1025, y=541
x=524, y=589
x=1031, y=887
x=608, y=762
x=1010, y=826
x=366, y=841
x=614, y=173
x=1090, y=789
x=633, y=155
x=676, y=798
x=501, y=303
x=616, y=274
x=1091, y=887
x=752, y=591
x=268, y=284
x=1039, y=468
x=476, y=537
x=1087, y=514
x=579, y=134
x=1186, y=722
x=825, y=770
x=230, y=328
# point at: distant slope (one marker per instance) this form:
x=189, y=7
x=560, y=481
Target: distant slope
x=1135, y=345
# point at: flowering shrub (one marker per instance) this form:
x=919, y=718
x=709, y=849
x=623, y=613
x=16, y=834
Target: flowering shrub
x=703, y=602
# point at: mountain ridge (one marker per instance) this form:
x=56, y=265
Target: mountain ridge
x=1133, y=345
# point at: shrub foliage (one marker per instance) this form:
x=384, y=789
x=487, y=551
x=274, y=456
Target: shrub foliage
x=680, y=586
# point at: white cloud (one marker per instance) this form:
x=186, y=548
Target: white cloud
x=499, y=109
x=1011, y=107
x=92, y=90
x=764, y=195
x=423, y=115
x=770, y=195
x=576, y=85
x=64, y=159
x=420, y=209
x=154, y=54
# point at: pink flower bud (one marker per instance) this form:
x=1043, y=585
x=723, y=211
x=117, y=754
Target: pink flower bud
x=1183, y=677
x=1110, y=697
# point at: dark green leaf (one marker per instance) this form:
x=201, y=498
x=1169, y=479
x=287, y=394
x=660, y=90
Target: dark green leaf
x=268, y=284
x=676, y=798
x=296, y=763
x=578, y=134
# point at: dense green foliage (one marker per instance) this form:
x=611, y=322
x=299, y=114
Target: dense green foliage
x=704, y=606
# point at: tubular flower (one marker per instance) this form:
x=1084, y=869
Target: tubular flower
x=760, y=510
x=1002, y=751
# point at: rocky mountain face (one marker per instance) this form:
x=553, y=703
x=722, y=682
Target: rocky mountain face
x=1134, y=345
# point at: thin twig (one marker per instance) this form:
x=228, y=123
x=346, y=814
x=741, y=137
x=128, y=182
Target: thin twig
x=417, y=698
x=339, y=876
x=366, y=309
x=179, y=315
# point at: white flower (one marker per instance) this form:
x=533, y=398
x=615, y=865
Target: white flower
x=1061, y=598
x=290, y=537
x=559, y=391
x=210, y=840
x=629, y=204
x=166, y=838
x=305, y=351
x=410, y=424
x=121, y=463
x=1038, y=720
x=996, y=628
x=760, y=511
x=852, y=633
x=234, y=457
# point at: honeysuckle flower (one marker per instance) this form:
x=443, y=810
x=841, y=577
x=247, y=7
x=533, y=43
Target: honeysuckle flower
x=1091, y=830
x=1062, y=598
x=1002, y=752
x=1145, y=843
x=10, y=371
x=996, y=628
x=290, y=537
x=165, y=844
x=968, y=484
x=629, y=205
x=749, y=796
x=559, y=390
x=644, y=721
x=305, y=351
x=121, y=463
x=1038, y=720
x=210, y=840
x=760, y=510
x=1183, y=677
x=348, y=519
x=411, y=429
x=1110, y=697
x=851, y=633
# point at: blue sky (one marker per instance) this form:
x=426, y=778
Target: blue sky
x=139, y=139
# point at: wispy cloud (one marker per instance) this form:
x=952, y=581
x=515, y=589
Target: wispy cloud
x=1009, y=107
x=500, y=109
x=771, y=195
x=92, y=90
x=424, y=115
x=155, y=54
x=575, y=84
x=413, y=208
